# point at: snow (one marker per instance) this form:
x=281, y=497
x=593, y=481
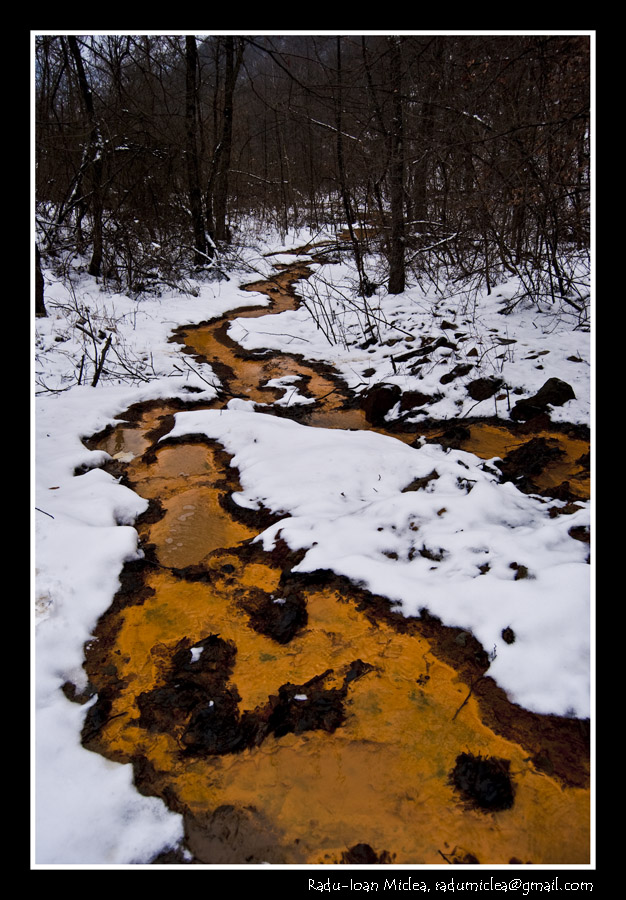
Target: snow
x=544, y=346
x=340, y=496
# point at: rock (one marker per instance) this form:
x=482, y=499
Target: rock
x=364, y=855
x=456, y=372
x=553, y=393
x=378, y=400
x=411, y=399
x=483, y=388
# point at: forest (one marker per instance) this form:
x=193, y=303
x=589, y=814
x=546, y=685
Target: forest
x=470, y=155
x=313, y=451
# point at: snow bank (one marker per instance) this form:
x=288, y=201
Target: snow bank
x=341, y=495
x=455, y=547
x=523, y=348
x=86, y=810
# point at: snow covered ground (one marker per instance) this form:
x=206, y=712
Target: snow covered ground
x=340, y=493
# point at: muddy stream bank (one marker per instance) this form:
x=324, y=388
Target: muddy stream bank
x=294, y=719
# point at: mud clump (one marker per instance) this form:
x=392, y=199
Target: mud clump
x=452, y=437
x=196, y=704
x=483, y=782
x=456, y=372
x=307, y=707
x=410, y=399
x=217, y=728
x=580, y=533
x=199, y=706
x=364, y=855
x=421, y=483
x=278, y=617
x=528, y=461
x=312, y=706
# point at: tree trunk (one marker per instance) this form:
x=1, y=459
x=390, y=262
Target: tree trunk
x=219, y=187
x=40, y=306
x=95, y=156
x=396, y=176
x=343, y=182
x=193, y=171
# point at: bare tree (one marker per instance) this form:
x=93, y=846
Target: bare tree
x=397, y=273
x=94, y=157
x=40, y=306
x=217, y=187
x=193, y=169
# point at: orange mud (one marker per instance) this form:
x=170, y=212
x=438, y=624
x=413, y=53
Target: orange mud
x=488, y=440
x=380, y=772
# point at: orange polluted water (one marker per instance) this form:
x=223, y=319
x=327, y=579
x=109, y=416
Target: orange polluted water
x=293, y=721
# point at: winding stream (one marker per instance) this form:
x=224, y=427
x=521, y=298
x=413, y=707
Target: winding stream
x=295, y=719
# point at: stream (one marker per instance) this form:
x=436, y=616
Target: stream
x=296, y=719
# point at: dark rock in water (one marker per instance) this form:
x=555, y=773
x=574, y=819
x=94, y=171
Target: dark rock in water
x=216, y=728
x=197, y=698
x=212, y=655
x=483, y=388
x=364, y=855
x=452, y=437
x=96, y=718
x=484, y=782
x=553, y=393
x=277, y=617
x=357, y=669
x=528, y=460
x=378, y=400
x=307, y=707
x=164, y=707
x=200, y=707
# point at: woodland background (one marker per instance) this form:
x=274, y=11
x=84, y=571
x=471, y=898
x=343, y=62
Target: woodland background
x=467, y=156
